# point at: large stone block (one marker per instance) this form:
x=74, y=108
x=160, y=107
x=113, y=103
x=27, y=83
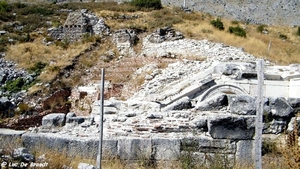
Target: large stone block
x=166, y=149
x=109, y=149
x=54, y=120
x=242, y=105
x=134, y=148
x=244, y=151
x=232, y=127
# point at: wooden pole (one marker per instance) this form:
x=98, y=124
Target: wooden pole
x=269, y=47
x=99, y=158
x=259, y=114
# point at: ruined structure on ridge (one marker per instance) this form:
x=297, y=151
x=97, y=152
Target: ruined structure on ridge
x=78, y=24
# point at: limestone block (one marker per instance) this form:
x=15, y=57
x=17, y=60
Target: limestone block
x=85, y=166
x=109, y=149
x=244, y=151
x=236, y=127
x=54, y=119
x=134, y=148
x=76, y=120
x=70, y=115
x=201, y=123
x=166, y=148
x=242, y=105
x=213, y=103
x=183, y=103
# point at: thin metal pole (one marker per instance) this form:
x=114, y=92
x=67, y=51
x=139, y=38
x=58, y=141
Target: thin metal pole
x=99, y=158
x=259, y=114
x=184, y=4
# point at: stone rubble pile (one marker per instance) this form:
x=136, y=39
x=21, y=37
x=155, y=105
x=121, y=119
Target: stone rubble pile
x=8, y=73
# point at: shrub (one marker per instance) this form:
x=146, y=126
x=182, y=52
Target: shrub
x=148, y=4
x=238, y=31
x=298, y=31
x=5, y=16
x=38, y=67
x=14, y=86
x=260, y=28
x=217, y=24
x=19, y=5
x=4, y=6
x=283, y=37
x=268, y=146
x=37, y=10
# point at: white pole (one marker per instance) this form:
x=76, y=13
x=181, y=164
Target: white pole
x=99, y=158
x=259, y=114
x=184, y=3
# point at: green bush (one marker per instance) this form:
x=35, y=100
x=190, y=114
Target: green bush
x=217, y=24
x=14, y=85
x=260, y=28
x=238, y=31
x=38, y=67
x=298, y=31
x=4, y=6
x=148, y=4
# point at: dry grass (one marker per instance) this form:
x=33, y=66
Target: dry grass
x=197, y=26
x=281, y=51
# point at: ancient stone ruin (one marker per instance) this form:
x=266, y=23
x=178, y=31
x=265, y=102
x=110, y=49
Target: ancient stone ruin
x=204, y=109
x=79, y=23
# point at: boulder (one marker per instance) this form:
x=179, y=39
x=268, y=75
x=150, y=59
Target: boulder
x=242, y=105
x=85, y=166
x=23, y=155
x=279, y=107
x=276, y=126
x=6, y=108
x=295, y=103
x=54, y=120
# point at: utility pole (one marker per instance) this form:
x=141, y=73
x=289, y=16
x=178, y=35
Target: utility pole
x=259, y=114
x=99, y=157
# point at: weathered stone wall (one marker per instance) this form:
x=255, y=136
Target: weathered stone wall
x=201, y=149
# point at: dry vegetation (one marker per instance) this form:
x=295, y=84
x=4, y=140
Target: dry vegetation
x=194, y=25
